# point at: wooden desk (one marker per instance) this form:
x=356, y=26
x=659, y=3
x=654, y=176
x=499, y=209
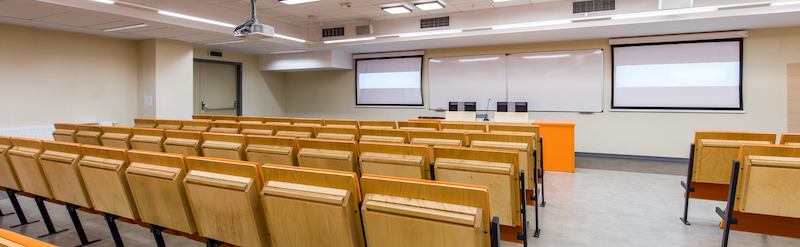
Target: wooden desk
x=558, y=144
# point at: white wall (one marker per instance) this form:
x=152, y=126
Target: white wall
x=49, y=76
x=331, y=94
x=263, y=93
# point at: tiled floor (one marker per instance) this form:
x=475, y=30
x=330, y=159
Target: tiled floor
x=607, y=206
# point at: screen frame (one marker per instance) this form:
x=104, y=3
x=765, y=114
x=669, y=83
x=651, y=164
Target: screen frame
x=421, y=94
x=741, y=76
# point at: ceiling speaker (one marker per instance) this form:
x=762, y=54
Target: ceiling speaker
x=364, y=30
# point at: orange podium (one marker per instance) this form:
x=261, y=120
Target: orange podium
x=558, y=144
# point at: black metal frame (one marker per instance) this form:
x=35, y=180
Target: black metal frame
x=541, y=175
x=112, y=227
x=51, y=230
x=238, y=81
x=688, y=187
x=495, y=231
x=523, y=204
x=727, y=215
x=156, y=230
x=213, y=243
x=76, y=221
x=17, y=209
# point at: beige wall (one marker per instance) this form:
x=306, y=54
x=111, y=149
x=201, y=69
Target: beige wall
x=147, y=78
x=174, y=82
x=50, y=76
x=262, y=92
x=331, y=94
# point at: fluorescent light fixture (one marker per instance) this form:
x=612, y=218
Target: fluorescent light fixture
x=226, y=42
x=284, y=52
x=500, y=1
x=785, y=3
x=429, y=33
x=402, y=9
x=478, y=59
x=663, y=13
x=292, y=2
x=189, y=17
x=289, y=38
x=532, y=24
x=348, y=40
x=123, y=28
x=430, y=5
x=104, y=1
x=546, y=56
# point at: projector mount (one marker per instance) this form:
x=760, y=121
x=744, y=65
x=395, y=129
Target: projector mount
x=247, y=27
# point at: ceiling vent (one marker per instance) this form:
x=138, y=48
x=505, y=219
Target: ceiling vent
x=332, y=32
x=435, y=22
x=592, y=6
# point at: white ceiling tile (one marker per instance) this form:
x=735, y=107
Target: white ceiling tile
x=320, y=6
x=510, y=3
x=474, y=6
x=269, y=13
x=270, y=4
x=353, y=3
x=218, y=1
x=456, y=2
x=294, y=10
x=27, y=10
x=381, y=2
x=202, y=38
x=289, y=19
x=237, y=5
x=368, y=10
x=79, y=19
x=342, y=13
x=142, y=29
x=542, y=1
x=167, y=32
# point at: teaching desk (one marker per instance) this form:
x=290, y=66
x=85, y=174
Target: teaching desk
x=557, y=135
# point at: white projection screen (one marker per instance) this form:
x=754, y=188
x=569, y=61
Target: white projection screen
x=389, y=81
x=698, y=75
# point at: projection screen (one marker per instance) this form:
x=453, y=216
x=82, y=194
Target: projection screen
x=699, y=75
x=389, y=81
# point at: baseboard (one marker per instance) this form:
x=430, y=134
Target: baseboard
x=638, y=157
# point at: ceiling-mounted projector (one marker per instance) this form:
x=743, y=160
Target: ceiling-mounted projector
x=251, y=29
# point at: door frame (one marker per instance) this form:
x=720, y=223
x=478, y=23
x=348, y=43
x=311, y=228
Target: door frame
x=238, y=81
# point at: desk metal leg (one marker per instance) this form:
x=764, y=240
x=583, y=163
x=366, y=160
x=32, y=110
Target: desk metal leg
x=46, y=217
x=17, y=209
x=156, y=230
x=688, y=187
x=213, y=243
x=541, y=145
x=112, y=226
x=73, y=213
x=495, y=231
x=727, y=215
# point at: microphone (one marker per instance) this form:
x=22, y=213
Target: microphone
x=486, y=118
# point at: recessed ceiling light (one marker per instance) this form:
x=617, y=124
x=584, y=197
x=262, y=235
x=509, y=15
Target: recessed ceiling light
x=123, y=28
x=500, y=1
x=284, y=52
x=291, y=2
x=226, y=42
x=430, y=5
x=289, y=38
x=429, y=33
x=785, y=3
x=532, y=24
x=189, y=17
x=663, y=13
x=348, y=40
x=104, y=1
x=402, y=9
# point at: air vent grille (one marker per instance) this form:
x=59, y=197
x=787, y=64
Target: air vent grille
x=435, y=22
x=592, y=6
x=332, y=32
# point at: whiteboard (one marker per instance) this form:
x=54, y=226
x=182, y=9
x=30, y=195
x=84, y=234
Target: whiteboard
x=557, y=81
x=471, y=78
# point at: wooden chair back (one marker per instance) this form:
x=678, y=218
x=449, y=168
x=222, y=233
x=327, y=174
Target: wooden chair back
x=309, y=121
x=714, y=152
x=148, y=139
x=328, y=154
x=383, y=135
x=377, y=124
x=103, y=172
x=196, y=125
x=524, y=143
x=203, y=117
x=274, y=150
x=790, y=139
x=224, y=146
x=226, y=189
x=298, y=131
x=336, y=133
x=65, y=132
x=258, y=129
x=183, y=142
x=296, y=198
x=251, y=119
x=418, y=125
x=117, y=137
x=60, y=164
x=278, y=120
x=498, y=170
x=341, y=123
x=89, y=134
x=24, y=156
x=169, y=124
x=437, y=138
x=226, y=118
x=467, y=128
x=395, y=160
x=144, y=122
x=8, y=176
x=225, y=127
